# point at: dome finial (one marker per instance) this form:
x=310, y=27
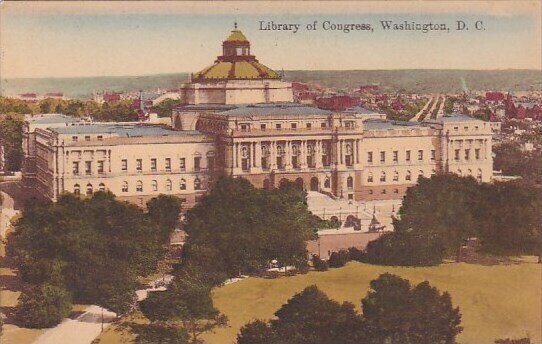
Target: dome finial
x=235, y=25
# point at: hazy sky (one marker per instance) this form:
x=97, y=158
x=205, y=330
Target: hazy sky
x=43, y=39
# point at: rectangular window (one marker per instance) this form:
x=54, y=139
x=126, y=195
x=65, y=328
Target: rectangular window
x=139, y=165
x=323, y=125
x=153, y=165
x=210, y=163
x=124, y=165
x=182, y=163
x=467, y=154
x=370, y=157
x=309, y=125
x=456, y=155
x=433, y=154
x=407, y=155
x=88, y=167
x=87, y=138
x=395, y=156
x=100, y=137
x=294, y=125
x=244, y=127
x=278, y=126
x=477, y=153
x=168, y=164
x=382, y=156
x=75, y=167
x=263, y=126
x=420, y=155
x=100, y=166
x=74, y=138
x=197, y=163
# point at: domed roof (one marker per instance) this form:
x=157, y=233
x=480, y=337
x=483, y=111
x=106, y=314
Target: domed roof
x=236, y=63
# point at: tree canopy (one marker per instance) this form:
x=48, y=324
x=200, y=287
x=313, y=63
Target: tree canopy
x=393, y=313
x=443, y=211
x=238, y=228
x=11, y=136
x=93, y=247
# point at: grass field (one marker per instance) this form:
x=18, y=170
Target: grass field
x=497, y=301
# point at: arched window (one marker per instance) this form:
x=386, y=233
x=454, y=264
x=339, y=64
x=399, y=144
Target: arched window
x=327, y=183
x=139, y=186
x=168, y=185
x=244, y=152
x=280, y=150
x=182, y=184
x=469, y=172
x=265, y=150
x=295, y=149
x=90, y=190
x=396, y=176
x=479, y=175
x=420, y=173
x=370, y=177
x=459, y=172
x=433, y=172
x=383, y=176
x=76, y=190
x=154, y=185
x=408, y=175
x=124, y=186
x=197, y=184
x=102, y=187
x=348, y=149
x=350, y=182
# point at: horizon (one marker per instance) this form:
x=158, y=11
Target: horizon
x=285, y=70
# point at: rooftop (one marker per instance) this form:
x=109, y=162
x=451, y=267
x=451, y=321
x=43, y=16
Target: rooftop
x=52, y=119
x=376, y=124
x=275, y=109
x=453, y=117
x=123, y=130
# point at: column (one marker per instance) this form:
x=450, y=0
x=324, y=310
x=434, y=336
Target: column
x=341, y=152
x=257, y=154
x=357, y=151
x=318, y=154
x=236, y=155
x=273, y=155
x=288, y=155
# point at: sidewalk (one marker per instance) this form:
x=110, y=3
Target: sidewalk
x=81, y=330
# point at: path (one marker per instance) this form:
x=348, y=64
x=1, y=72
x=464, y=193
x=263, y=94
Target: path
x=81, y=330
x=87, y=326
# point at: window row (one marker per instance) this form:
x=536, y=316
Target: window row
x=139, y=186
x=395, y=176
x=395, y=156
x=467, y=154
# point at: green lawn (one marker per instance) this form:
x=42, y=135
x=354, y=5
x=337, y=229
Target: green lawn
x=496, y=301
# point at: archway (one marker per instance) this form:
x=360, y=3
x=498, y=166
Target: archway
x=283, y=182
x=352, y=221
x=267, y=184
x=315, y=184
x=299, y=182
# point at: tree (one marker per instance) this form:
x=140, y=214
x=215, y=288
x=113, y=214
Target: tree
x=94, y=247
x=11, y=134
x=309, y=317
x=245, y=228
x=395, y=313
x=187, y=302
x=319, y=264
x=160, y=333
x=43, y=306
x=257, y=332
x=165, y=108
x=164, y=210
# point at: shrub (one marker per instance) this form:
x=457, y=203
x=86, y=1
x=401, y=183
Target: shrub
x=356, y=254
x=319, y=264
x=43, y=306
x=338, y=259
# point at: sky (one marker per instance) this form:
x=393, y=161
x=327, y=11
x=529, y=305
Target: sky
x=73, y=39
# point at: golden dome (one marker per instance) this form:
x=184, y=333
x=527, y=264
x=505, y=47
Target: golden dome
x=236, y=63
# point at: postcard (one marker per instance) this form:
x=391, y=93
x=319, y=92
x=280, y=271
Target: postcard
x=271, y=172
